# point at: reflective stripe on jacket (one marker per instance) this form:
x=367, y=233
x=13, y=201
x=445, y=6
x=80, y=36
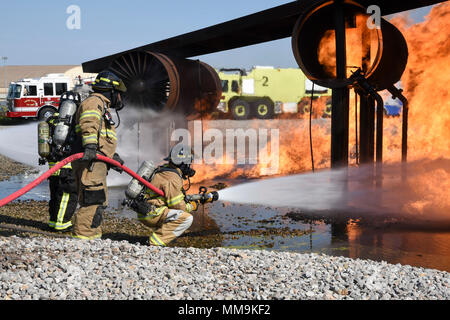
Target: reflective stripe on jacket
x=92, y=127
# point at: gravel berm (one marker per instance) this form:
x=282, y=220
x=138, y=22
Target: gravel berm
x=9, y=168
x=42, y=268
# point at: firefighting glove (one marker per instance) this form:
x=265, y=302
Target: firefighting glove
x=117, y=158
x=90, y=152
x=142, y=207
x=194, y=205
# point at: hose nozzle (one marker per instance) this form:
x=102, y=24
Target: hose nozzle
x=203, y=196
x=212, y=196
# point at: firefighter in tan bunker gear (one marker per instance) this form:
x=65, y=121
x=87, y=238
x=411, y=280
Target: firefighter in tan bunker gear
x=168, y=216
x=95, y=134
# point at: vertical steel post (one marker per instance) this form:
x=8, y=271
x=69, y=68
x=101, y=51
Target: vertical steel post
x=405, y=132
x=404, y=138
x=379, y=142
x=379, y=146
x=366, y=129
x=397, y=93
x=367, y=104
x=138, y=144
x=340, y=96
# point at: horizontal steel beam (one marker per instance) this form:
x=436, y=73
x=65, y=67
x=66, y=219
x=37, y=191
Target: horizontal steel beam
x=267, y=25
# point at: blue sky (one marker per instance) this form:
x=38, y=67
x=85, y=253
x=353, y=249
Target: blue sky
x=35, y=32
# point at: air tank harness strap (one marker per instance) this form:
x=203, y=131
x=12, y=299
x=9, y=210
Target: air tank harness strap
x=164, y=168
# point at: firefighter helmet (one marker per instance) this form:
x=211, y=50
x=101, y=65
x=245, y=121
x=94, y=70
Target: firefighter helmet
x=72, y=96
x=180, y=154
x=106, y=81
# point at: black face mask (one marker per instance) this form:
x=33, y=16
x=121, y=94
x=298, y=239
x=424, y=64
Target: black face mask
x=116, y=103
x=187, y=171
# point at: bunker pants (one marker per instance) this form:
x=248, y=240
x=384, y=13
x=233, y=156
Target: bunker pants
x=63, y=199
x=93, y=198
x=167, y=226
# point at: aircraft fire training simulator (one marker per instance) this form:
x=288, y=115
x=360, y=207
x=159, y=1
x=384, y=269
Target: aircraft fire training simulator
x=160, y=75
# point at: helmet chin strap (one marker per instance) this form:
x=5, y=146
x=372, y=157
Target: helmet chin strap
x=116, y=104
x=187, y=171
x=118, y=119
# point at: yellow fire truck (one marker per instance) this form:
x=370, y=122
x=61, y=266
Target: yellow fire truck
x=265, y=92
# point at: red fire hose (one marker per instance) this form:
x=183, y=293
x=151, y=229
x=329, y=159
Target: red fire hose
x=70, y=159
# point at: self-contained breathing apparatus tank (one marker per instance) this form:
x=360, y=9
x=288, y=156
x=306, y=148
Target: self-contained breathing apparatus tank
x=43, y=139
x=59, y=143
x=135, y=188
x=63, y=126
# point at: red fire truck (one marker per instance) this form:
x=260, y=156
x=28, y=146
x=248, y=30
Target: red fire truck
x=37, y=98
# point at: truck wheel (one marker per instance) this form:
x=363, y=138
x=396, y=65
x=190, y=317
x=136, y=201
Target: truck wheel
x=327, y=112
x=46, y=113
x=264, y=109
x=240, y=109
x=303, y=106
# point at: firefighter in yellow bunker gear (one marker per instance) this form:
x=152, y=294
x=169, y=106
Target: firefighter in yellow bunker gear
x=168, y=216
x=95, y=134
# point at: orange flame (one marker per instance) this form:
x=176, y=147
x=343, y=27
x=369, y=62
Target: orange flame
x=425, y=82
x=357, y=54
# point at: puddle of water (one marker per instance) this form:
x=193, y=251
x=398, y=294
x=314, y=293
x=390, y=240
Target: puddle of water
x=40, y=192
x=429, y=248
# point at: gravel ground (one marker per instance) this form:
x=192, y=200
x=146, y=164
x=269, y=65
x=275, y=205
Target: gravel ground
x=41, y=268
